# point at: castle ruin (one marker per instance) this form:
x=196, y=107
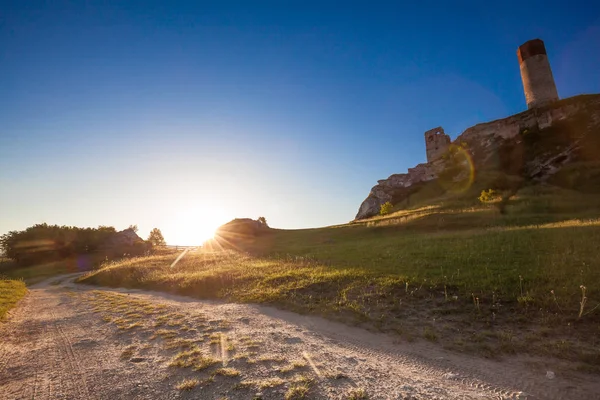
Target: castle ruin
x=538, y=82
x=436, y=143
x=538, y=85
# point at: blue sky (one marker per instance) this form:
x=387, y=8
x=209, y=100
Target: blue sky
x=182, y=115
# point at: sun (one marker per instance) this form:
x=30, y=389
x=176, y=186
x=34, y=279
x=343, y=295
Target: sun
x=194, y=226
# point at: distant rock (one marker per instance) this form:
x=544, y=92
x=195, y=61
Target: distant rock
x=242, y=227
x=125, y=242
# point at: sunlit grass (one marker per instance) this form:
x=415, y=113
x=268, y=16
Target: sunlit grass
x=37, y=273
x=188, y=384
x=294, y=365
x=11, y=291
x=472, y=263
x=229, y=372
x=193, y=358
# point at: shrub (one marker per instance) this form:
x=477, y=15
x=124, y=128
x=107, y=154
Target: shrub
x=262, y=221
x=386, y=208
x=488, y=196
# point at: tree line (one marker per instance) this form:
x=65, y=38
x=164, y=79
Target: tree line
x=44, y=243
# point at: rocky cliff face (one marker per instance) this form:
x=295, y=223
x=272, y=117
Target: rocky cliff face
x=534, y=144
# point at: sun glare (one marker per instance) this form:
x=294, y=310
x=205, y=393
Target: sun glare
x=195, y=226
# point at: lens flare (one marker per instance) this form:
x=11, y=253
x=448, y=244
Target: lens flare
x=459, y=172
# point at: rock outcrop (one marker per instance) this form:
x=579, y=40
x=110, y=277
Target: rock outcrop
x=125, y=242
x=534, y=144
x=241, y=227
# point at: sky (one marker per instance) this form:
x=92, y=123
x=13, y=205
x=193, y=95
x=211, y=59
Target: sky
x=184, y=115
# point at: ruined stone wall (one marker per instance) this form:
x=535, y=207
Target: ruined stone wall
x=436, y=143
x=542, y=117
x=481, y=142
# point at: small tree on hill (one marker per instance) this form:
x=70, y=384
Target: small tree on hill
x=489, y=196
x=386, y=208
x=262, y=221
x=133, y=228
x=156, y=238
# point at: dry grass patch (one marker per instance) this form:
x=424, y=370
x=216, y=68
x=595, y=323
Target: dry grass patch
x=165, y=334
x=128, y=352
x=193, y=358
x=296, y=364
x=297, y=392
x=229, y=372
x=127, y=327
x=180, y=343
x=262, y=383
x=270, y=358
x=357, y=394
x=188, y=384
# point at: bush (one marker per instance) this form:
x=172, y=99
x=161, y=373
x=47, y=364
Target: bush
x=488, y=196
x=386, y=208
x=262, y=221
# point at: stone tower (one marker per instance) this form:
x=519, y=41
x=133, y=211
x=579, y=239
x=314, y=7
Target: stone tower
x=536, y=74
x=436, y=143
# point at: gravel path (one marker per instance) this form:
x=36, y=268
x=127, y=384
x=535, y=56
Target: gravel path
x=68, y=341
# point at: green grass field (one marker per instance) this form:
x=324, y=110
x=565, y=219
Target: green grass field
x=35, y=273
x=470, y=278
x=11, y=291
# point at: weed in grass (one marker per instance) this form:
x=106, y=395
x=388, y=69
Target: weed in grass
x=582, y=302
x=555, y=300
x=187, y=384
x=127, y=327
x=193, y=358
x=335, y=375
x=521, y=285
x=224, y=325
x=299, y=389
x=303, y=379
x=230, y=372
x=292, y=366
x=180, y=343
x=357, y=394
x=128, y=352
x=250, y=344
x=430, y=334
x=246, y=355
x=165, y=333
x=270, y=358
x=269, y=383
x=476, y=302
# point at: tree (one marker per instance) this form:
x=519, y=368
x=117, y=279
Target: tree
x=133, y=228
x=262, y=221
x=156, y=238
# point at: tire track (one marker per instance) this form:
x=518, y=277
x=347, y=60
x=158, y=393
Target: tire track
x=432, y=370
x=73, y=362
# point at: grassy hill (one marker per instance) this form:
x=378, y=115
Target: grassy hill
x=449, y=270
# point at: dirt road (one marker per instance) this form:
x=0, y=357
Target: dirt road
x=68, y=341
